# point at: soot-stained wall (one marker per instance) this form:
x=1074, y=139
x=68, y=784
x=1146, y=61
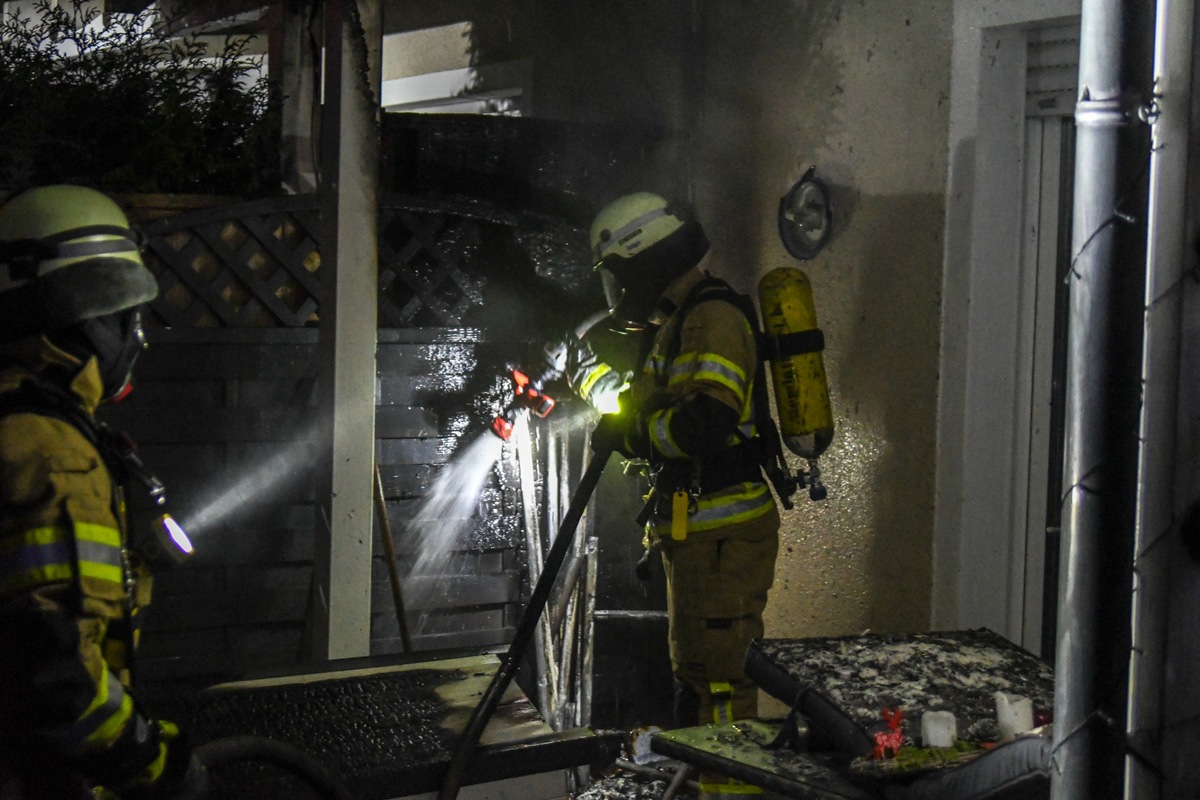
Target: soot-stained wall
x=859, y=90
x=746, y=98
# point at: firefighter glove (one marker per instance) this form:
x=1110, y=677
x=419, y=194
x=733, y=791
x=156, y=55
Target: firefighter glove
x=555, y=353
x=581, y=361
x=182, y=776
x=613, y=434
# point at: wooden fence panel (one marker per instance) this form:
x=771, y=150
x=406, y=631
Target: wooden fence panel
x=225, y=418
x=225, y=412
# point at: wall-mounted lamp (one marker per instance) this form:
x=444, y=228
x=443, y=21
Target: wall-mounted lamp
x=806, y=217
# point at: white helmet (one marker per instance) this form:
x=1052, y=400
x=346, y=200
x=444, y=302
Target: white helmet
x=67, y=254
x=640, y=243
x=71, y=269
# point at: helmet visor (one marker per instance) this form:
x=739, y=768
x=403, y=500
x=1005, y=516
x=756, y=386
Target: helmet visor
x=613, y=291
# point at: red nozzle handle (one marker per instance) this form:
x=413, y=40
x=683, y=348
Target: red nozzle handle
x=502, y=428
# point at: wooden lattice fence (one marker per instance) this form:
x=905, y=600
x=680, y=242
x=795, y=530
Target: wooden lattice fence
x=258, y=265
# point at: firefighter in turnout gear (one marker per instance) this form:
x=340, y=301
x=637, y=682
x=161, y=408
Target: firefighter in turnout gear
x=71, y=282
x=689, y=411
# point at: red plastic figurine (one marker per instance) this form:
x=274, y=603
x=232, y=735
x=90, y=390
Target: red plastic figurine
x=888, y=742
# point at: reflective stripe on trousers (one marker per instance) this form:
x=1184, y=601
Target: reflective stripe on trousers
x=103, y=720
x=715, y=787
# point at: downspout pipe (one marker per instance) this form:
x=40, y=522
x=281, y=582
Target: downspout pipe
x=1162, y=330
x=1093, y=612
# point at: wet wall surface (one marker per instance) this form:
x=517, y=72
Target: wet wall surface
x=858, y=90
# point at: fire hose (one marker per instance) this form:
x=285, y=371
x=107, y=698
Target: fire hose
x=465, y=748
x=234, y=749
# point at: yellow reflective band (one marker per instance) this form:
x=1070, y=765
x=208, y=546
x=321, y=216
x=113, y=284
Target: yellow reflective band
x=111, y=728
x=32, y=537
x=604, y=396
x=108, y=685
x=593, y=375
x=718, y=789
x=752, y=502
x=710, y=368
x=101, y=572
x=34, y=557
x=100, y=534
x=659, y=426
x=722, y=695
x=98, y=548
x=103, y=719
x=679, y=515
x=154, y=770
x=55, y=573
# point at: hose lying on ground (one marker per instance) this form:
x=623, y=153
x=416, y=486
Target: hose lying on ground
x=233, y=749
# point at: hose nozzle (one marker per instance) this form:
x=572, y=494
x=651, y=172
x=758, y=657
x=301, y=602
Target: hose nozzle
x=527, y=397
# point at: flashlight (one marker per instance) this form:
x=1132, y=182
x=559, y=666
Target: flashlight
x=172, y=539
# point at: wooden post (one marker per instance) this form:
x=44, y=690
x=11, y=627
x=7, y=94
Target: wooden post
x=347, y=338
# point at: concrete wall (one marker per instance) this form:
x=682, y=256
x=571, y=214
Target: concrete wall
x=859, y=90
x=749, y=100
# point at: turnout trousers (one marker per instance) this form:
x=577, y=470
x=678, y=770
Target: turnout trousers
x=717, y=584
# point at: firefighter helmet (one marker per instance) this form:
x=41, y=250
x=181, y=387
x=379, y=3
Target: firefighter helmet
x=67, y=254
x=641, y=242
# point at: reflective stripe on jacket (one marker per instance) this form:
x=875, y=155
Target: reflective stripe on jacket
x=717, y=357
x=51, y=554
x=58, y=523
x=61, y=531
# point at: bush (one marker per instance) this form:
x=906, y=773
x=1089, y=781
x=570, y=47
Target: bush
x=126, y=107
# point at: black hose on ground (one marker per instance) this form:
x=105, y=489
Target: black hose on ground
x=563, y=540
x=234, y=749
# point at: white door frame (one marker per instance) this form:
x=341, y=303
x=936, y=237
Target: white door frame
x=979, y=548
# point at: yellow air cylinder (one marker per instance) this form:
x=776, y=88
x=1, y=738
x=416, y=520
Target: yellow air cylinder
x=801, y=390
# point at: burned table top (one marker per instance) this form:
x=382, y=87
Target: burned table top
x=957, y=671
x=740, y=750
x=393, y=727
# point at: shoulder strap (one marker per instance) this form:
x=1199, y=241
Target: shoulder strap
x=770, y=445
x=709, y=288
x=116, y=449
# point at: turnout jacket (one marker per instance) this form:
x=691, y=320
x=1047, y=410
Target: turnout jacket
x=695, y=412
x=65, y=587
